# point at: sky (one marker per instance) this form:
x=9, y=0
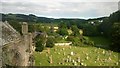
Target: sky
x=61, y=8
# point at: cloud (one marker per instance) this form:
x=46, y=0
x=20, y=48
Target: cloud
x=60, y=8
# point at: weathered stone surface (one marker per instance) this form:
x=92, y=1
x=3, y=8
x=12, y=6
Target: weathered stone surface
x=16, y=49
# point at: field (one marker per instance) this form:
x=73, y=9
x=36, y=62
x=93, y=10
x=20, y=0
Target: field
x=58, y=58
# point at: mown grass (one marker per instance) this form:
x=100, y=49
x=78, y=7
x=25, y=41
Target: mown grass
x=100, y=41
x=41, y=59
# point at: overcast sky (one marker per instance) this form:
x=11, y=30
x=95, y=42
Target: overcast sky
x=61, y=8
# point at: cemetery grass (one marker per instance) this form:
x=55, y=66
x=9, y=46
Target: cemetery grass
x=100, y=41
x=41, y=58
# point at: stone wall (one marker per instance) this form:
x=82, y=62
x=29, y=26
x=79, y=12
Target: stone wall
x=18, y=51
x=63, y=44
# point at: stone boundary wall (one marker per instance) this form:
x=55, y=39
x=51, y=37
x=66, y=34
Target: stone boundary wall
x=63, y=44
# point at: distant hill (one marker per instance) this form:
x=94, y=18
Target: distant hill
x=36, y=19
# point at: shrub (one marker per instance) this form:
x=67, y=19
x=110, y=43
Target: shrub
x=39, y=46
x=50, y=42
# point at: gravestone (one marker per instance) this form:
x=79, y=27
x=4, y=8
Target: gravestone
x=71, y=53
x=40, y=63
x=59, y=63
x=46, y=55
x=114, y=55
x=40, y=52
x=48, y=50
x=59, y=53
x=86, y=54
x=103, y=52
x=98, y=59
x=75, y=63
x=83, y=52
x=51, y=61
x=78, y=59
x=63, y=48
x=67, y=60
x=55, y=49
x=64, y=53
x=95, y=50
x=70, y=59
x=116, y=63
x=82, y=60
x=63, y=63
x=109, y=59
x=95, y=61
x=68, y=56
x=70, y=47
x=81, y=63
x=87, y=58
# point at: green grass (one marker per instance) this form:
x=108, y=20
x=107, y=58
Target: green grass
x=43, y=60
x=100, y=41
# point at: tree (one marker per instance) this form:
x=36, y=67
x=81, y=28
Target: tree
x=62, y=25
x=50, y=42
x=31, y=28
x=116, y=37
x=63, y=31
x=40, y=42
x=75, y=30
x=39, y=46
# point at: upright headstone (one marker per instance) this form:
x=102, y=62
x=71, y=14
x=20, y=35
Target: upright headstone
x=48, y=50
x=75, y=63
x=64, y=53
x=67, y=60
x=70, y=47
x=63, y=48
x=109, y=59
x=70, y=59
x=103, y=52
x=71, y=53
x=51, y=61
x=87, y=58
x=78, y=59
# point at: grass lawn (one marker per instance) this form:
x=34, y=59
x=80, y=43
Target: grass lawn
x=99, y=41
x=58, y=56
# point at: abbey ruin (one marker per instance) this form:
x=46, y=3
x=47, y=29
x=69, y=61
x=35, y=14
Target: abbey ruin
x=17, y=49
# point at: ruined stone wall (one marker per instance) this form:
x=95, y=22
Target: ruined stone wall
x=18, y=53
x=17, y=49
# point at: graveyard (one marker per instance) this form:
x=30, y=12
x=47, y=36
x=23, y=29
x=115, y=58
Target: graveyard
x=75, y=56
x=60, y=33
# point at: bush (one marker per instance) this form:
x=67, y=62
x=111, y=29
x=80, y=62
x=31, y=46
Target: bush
x=62, y=31
x=50, y=42
x=39, y=46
